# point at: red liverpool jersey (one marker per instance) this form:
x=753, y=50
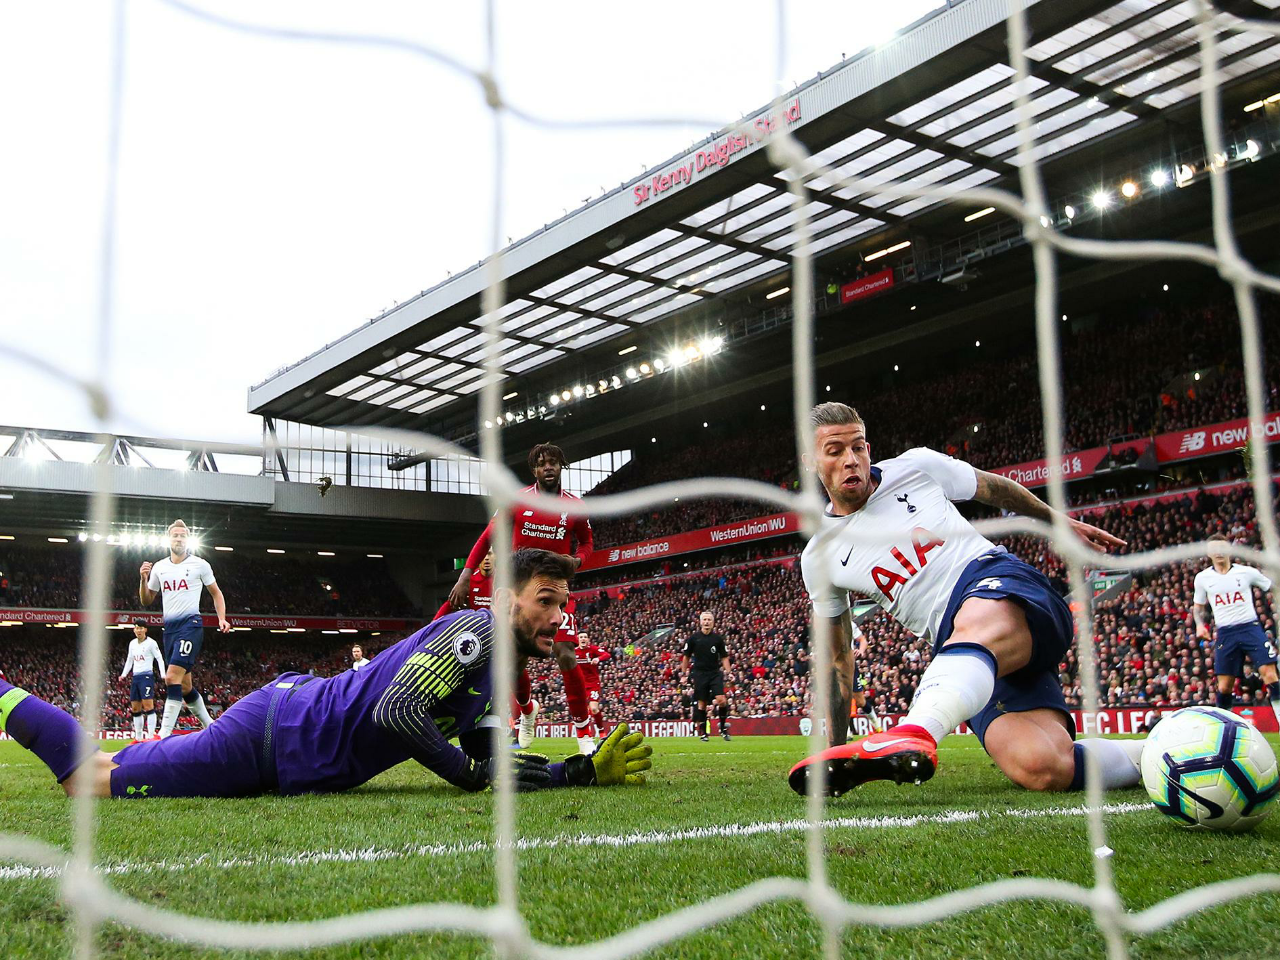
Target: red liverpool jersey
x=480, y=597
x=541, y=528
x=589, y=659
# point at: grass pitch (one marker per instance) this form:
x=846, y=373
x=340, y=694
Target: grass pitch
x=406, y=837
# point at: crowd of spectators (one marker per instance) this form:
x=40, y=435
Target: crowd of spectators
x=1145, y=637
x=51, y=577
x=1121, y=377
x=43, y=660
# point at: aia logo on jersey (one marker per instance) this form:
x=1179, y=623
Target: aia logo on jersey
x=902, y=498
x=1223, y=599
x=889, y=577
x=175, y=584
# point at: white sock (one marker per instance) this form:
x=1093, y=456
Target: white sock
x=871, y=714
x=197, y=707
x=955, y=687
x=171, y=710
x=137, y=726
x=1119, y=761
x=151, y=724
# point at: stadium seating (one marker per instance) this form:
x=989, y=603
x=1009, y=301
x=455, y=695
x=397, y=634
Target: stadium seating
x=40, y=576
x=1146, y=641
x=1116, y=378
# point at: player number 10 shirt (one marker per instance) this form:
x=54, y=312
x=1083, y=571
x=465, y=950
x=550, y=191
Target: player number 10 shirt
x=905, y=548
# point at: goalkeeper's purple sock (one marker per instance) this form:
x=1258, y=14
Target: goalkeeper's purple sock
x=52, y=735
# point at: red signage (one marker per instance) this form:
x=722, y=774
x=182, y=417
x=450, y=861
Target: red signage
x=867, y=286
x=725, y=535
x=252, y=621
x=715, y=155
x=1217, y=438
x=1035, y=473
x=1126, y=721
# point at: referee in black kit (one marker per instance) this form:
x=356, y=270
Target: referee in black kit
x=709, y=654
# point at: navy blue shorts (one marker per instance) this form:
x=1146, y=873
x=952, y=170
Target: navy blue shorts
x=183, y=640
x=223, y=760
x=143, y=687
x=1002, y=576
x=1237, y=640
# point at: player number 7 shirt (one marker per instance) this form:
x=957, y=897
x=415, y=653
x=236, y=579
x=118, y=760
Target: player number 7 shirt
x=906, y=547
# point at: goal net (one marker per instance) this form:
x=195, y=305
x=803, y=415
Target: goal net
x=92, y=901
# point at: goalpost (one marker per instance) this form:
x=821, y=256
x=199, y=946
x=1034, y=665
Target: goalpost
x=92, y=902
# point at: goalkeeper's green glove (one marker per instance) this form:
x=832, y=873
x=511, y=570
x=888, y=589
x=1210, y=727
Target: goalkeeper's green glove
x=620, y=760
x=529, y=770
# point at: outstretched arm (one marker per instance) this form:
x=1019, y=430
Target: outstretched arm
x=1005, y=494
x=428, y=676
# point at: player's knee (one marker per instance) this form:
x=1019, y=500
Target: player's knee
x=1042, y=770
x=174, y=675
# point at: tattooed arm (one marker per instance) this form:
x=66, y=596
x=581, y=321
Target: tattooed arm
x=1011, y=496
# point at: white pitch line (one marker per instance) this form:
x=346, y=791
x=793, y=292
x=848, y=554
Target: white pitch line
x=718, y=831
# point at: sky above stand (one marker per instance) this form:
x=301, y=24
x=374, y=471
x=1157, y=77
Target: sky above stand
x=274, y=195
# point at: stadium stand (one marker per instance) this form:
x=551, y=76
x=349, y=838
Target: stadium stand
x=1146, y=640
x=1117, y=378
x=40, y=576
x=43, y=661
x=1146, y=643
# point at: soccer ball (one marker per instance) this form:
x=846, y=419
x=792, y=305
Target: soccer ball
x=1209, y=769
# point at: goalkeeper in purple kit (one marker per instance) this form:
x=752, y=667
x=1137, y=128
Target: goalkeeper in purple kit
x=304, y=734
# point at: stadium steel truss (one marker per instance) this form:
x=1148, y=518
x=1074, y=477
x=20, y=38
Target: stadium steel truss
x=932, y=106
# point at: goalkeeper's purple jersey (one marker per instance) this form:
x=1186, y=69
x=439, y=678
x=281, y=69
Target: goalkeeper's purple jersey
x=337, y=732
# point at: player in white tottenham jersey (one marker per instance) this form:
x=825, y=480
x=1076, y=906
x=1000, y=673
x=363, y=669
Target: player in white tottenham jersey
x=358, y=660
x=999, y=630
x=179, y=578
x=142, y=687
x=1227, y=588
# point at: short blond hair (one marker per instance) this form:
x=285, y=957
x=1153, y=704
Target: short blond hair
x=834, y=414
x=178, y=523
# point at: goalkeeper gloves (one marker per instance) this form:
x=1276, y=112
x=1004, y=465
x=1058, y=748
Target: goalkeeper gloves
x=529, y=770
x=620, y=760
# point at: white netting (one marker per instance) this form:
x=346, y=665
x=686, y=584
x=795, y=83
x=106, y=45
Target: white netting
x=92, y=901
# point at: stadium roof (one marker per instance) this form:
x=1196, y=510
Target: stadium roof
x=47, y=478
x=932, y=105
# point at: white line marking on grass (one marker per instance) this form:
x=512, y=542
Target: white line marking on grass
x=718, y=831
